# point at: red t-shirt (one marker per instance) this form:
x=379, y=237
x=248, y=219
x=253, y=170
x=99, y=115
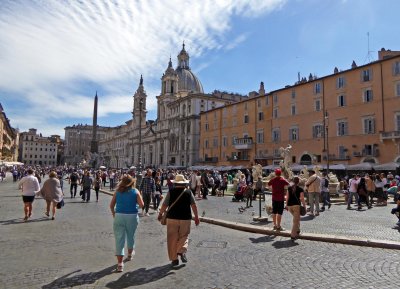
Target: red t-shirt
x=278, y=188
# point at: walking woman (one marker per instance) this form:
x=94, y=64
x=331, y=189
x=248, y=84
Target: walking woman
x=294, y=199
x=51, y=193
x=124, y=208
x=29, y=185
x=96, y=185
x=179, y=201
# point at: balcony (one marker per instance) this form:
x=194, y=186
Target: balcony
x=237, y=158
x=391, y=135
x=264, y=157
x=333, y=157
x=245, y=143
x=211, y=160
x=366, y=153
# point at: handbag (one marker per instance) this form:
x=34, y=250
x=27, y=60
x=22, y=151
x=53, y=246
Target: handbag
x=60, y=204
x=303, y=210
x=163, y=220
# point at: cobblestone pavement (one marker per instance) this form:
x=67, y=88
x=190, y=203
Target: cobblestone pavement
x=77, y=251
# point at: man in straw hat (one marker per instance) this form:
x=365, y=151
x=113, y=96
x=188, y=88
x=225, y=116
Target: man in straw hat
x=179, y=201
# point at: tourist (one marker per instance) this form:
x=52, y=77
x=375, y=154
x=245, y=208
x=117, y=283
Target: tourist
x=148, y=189
x=51, y=192
x=86, y=184
x=370, y=184
x=73, y=180
x=362, y=193
x=29, y=185
x=97, y=184
x=313, y=186
x=278, y=186
x=379, y=193
x=294, y=199
x=157, y=195
x=326, y=197
x=353, y=183
x=179, y=201
x=124, y=208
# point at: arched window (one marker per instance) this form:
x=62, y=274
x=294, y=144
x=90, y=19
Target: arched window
x=306, y=159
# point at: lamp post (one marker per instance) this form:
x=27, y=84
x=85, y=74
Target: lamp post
x=326, y=122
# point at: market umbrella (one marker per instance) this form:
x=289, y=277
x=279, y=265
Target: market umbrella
x=392, y=166
x=360, y=167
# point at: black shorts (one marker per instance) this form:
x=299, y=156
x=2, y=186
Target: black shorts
x=28, y=199
x=277, y=207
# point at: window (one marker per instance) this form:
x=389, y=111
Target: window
x=275, y=100
x=317, y=105
x=206, y=144
x=366, y=75
x=397, y=88
x=367, y=95
x=260, y=116
x=294, y=134
x=215, y=124
x=234, y=109
x=234, y=122
x=260, y=136
x=340, y=82
x=266, y=100
x=341, y=100
x=293, y=109
x=396, y=68
x=246, y=119
x=224, y=123
x=206, y=127
x=215, y=142
x=318, y=131
x=275, y=113
x=342, y=152
x=234, y=140
x=369, y=125
x=258, y=102
x=342, y=128
x=276, y=135
x=397, y=119
x=293, y=93
x=317, y=88
x=245, y=106
x=224, y=141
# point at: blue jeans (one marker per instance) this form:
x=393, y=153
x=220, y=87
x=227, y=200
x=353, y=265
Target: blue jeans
x=124, y=228
x=351, y=197
x=326, y=198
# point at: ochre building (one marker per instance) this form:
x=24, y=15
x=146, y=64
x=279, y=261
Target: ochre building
x=348, y=117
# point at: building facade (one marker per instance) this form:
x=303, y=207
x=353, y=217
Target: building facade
x=348, y=117
x=77, y=143
x=173, y=138
x=36, y=149
x=9, y=138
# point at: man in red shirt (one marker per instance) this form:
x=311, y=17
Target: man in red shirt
x=279, y=187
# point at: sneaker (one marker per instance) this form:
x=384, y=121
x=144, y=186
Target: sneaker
x=183, y=257
x=275, y=227
x=322, y=209
x=329, y=206
x=348, y=208
x=175, y=262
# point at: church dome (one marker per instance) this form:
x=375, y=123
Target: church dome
x=187, y=81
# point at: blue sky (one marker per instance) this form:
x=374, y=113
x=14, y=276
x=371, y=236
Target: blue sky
x=55, y=55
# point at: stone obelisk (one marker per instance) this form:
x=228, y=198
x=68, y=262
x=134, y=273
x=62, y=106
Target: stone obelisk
x=94, y=144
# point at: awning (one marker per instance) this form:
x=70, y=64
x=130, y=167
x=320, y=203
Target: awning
x=392, y=166
x=360, y=167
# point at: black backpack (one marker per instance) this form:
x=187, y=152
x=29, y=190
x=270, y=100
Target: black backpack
x=73, y=178
x=326, y=184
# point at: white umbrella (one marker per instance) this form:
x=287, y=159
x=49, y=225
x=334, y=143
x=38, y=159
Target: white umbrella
x=102, y=167
x=132, y=167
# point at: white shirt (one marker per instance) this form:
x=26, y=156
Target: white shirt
x=29, y=185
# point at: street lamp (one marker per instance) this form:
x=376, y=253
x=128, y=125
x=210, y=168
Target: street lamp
x=326, y=122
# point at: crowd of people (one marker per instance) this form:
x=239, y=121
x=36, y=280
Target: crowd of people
x=135, y=194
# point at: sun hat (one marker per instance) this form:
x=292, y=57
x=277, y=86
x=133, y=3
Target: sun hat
x=278, y=172
x=127, y=181
x=180, y=179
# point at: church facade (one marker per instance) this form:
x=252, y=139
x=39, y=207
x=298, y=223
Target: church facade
x=173, y=138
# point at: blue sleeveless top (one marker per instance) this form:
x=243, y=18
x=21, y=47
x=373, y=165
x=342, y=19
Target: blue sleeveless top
x=126, y=202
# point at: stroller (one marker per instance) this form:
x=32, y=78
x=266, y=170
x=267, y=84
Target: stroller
x=239, y=195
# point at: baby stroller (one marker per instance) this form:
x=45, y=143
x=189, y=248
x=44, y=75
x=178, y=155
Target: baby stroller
x=239, y=195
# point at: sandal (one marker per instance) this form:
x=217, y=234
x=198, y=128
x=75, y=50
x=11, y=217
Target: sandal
x=130, y=256
x=120, y=267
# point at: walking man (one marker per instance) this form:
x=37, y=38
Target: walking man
x=29, y=185
x=147, y=188
x=279, y=187
x=313, y=186
x=73, y=180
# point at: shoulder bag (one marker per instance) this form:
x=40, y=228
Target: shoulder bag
x=163, y=220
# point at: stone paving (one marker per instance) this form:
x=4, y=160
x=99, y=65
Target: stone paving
x=76, y=250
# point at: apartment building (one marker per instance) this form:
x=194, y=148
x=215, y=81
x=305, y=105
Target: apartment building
x=8, y=139
x=348, y=117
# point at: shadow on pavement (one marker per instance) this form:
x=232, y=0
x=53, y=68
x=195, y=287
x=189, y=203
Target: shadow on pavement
x=262, y=239
x=284, y=244
x=21, y=221
x=142, y=276
x=307, y=218
x=78, y=280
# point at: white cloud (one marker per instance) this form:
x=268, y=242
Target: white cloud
x=49, y=48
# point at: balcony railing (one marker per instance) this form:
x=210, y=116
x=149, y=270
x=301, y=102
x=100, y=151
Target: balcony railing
x=364, y=153
x=237, y=158
x=245, y=143
x=211, y=160
x=390, y=135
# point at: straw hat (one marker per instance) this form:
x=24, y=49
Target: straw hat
x=127, y=181
x=180, y=179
